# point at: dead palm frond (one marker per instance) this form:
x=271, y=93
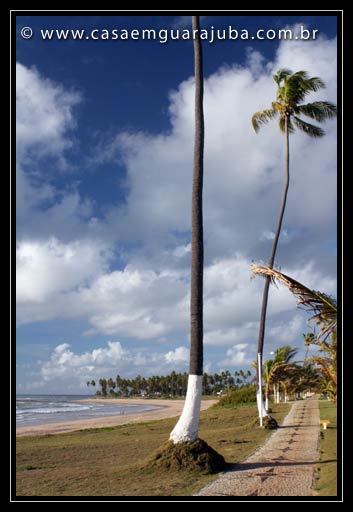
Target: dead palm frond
x=322, y=306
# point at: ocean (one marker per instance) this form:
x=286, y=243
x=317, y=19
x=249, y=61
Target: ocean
x=43, y=409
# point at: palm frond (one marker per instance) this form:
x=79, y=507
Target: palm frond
x=276, y=105
x=319, y=110
x=298, y=85
x=323, y=306
x=326, y=368
x=285, y=354
x=262, y=117
x=314, y=84
x=294, y=89
x=302, y=75
x=281, y=75
x=309, y=129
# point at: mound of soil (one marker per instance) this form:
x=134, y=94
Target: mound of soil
x=190, y=456
x=270, y=423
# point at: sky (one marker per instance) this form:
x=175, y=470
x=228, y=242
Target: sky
x=104, y=145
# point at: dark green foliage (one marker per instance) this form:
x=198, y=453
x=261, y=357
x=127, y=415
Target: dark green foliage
x=189, y=456
x=243, y=395
x=270, y=423
x=173, y=385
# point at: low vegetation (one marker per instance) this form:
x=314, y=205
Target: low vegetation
x=243, y=395
x=326, y=474
x=116, y=461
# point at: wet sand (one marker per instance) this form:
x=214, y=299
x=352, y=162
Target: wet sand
x=166, y=409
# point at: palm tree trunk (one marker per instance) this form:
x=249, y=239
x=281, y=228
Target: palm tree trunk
x=285, y=393
x=260, y=344
x=187, y=427
x=267, y=392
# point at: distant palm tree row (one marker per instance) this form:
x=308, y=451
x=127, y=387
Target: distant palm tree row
x=172, y=385
x=283, y=377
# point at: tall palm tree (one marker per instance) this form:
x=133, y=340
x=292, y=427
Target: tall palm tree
x=187, y=427
x=292, y=88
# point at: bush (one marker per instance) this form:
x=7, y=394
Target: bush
x=244, y=395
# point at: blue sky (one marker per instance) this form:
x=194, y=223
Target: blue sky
x=104, y=160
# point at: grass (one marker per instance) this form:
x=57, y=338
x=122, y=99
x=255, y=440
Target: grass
x=326, y=479
x=113, y=461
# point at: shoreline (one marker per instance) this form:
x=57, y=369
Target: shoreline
x=166, y=409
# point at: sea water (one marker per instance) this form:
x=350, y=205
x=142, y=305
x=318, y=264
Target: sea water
x=43, y=409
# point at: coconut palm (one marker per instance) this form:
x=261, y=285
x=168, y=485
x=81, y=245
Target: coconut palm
x=323, y=310
x=187, y=427
x=292, y=89
x=327, y=360
x=308, y=378
x=323, y=307
x=277, y=369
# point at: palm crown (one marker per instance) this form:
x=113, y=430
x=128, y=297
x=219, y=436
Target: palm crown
x=291, y=92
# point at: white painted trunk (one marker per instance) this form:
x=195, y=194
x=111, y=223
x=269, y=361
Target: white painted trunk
x=277, y=401
x=259, y=398
x=187, y=428
x=260, y=407
x=274, y=393
x=266, y=404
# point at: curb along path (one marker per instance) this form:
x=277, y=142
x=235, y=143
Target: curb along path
x=283, y=466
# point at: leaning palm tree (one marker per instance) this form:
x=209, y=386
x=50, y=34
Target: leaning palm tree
x=187, y=427
x=292, y=88
x=323, y=310
x=321, y=306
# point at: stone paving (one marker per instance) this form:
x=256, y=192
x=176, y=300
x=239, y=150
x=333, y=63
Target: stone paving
x=283, y=466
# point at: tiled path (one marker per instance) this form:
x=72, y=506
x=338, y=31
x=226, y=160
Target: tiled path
x=283, y=466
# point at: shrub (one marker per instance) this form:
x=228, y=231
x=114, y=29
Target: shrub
x=244, y=395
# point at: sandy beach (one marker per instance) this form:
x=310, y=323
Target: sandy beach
x=166, y=409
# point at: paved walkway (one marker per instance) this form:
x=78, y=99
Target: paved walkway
x=283, y=466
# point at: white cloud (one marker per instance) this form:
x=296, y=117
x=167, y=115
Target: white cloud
x=45, y=124
x=43, y=114
x=284, y=332
x=238, y=355
x=63, y=362
x=68, y=370
x=146, y=304
x=51, y=267
x=180, y=354
x=149, y=297
x=244, y=171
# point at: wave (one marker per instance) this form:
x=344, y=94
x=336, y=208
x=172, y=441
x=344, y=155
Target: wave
x=54, y=410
